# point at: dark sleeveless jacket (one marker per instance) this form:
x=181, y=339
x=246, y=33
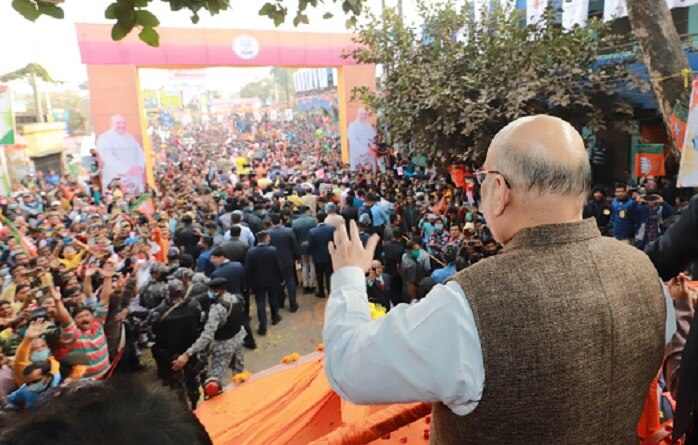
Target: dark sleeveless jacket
x=572, y=332
x=234, y=322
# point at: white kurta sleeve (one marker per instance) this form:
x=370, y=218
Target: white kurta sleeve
x=428, y=351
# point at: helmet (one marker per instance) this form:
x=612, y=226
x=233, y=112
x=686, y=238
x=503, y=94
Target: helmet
x=212, y=387
x=159, y=268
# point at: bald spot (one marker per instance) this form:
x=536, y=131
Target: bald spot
x=543, y=154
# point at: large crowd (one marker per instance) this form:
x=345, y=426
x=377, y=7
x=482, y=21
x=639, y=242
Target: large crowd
x=93, y=277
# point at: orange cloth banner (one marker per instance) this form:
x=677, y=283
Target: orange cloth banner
x=293, y=404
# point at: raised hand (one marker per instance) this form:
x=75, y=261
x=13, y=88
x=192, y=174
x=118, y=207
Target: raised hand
x=346, y=252
x=91, y=270
x=36, y=328
x=108, y=270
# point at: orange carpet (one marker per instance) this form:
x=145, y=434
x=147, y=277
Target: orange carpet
x=293, y=404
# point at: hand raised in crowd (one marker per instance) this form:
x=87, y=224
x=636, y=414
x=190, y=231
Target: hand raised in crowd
x=680, y=290
x=347, y=252
x=36, y=328
x=108, y=270
x=91, y=270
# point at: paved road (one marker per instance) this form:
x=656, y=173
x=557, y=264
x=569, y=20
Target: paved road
x=300, y=332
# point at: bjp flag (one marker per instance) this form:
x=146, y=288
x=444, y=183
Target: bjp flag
x=678, y=124
x=649, y=160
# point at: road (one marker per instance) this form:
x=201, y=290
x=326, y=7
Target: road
x=300, y=332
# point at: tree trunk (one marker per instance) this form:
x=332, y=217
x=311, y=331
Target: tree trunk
x=37, y=97
x=663, y=54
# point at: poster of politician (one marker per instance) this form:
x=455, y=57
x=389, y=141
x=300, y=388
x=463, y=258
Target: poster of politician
x=361, y=136
x=122, y=157
x=688, y=169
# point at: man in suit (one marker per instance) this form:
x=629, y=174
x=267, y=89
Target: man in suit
x=392, y=257
x=286, y=244
x=187, y=238
x=232, y=271
x=378, y=285
x=301, y=227
x=410, y=216
x=235, y=249
x=203, y=263
x=234, y=274
x=264, y=275
x=320, y=236
x=350, y=211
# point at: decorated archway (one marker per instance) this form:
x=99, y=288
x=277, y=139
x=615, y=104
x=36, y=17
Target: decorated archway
x=112, y=67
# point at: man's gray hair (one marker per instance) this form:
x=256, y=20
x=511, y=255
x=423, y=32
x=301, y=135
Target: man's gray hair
x=531, y=172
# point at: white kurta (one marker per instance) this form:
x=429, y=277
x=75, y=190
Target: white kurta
x=360, y=135
x=123, y=158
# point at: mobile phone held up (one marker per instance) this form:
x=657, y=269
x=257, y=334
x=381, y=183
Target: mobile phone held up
x=38, y=314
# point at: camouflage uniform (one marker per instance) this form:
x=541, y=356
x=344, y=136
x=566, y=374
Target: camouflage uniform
x=222, y=351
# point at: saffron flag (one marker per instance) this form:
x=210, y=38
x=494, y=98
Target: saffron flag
x=649, y=160
x=678, y=126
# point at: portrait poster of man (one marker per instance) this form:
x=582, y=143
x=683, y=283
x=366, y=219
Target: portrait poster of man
x=361, y=136
x=122, y=157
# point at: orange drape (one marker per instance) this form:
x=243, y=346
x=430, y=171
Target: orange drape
x=295, y=405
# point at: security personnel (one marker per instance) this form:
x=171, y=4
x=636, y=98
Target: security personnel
x=223, y=330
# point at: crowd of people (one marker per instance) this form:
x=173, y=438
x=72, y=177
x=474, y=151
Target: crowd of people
x=94, y=276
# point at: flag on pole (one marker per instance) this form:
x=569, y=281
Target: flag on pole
x=144, y=205
x=649, y=160
x=26, y=247
x=677, y=122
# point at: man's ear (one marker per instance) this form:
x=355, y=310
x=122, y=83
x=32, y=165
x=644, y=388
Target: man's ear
x=502, y=195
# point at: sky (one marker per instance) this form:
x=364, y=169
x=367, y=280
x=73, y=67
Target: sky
x=53, y=44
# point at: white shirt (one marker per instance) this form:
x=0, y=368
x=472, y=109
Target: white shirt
x=428, y=351
x=120, y=152
x=246, y=235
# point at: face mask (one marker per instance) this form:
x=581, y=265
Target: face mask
x=38, y=386
x=439, y=227
x=40, y=356
x=211, y=295
x=468, y=216
x=415, y=254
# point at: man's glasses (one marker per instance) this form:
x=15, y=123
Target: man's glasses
x=480, y=175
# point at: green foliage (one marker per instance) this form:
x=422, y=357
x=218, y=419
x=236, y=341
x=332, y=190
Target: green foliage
x=262, y=89
x=26, y=73
x=451, y=85
x=134, y=14
x=284, y=81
